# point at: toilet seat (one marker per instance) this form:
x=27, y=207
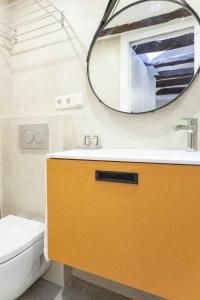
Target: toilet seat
x=22, y=259
x=17, y=235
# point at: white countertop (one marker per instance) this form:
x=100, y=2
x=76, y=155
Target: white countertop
x=131, y=155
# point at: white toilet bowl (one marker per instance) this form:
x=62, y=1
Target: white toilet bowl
x=21, y=255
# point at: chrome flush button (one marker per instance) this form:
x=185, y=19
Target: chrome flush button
x=38, y=138
x=27, y=136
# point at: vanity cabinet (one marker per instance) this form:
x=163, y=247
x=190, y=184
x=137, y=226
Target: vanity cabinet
x=144, y=234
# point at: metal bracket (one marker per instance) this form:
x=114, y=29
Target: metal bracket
x=109, y=9
x=62, y=21
x=187, y=5
x=110, y=6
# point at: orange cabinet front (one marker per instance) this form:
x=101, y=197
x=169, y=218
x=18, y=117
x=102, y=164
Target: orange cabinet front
x=144, y=235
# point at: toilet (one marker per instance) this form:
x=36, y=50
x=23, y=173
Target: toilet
x=21, y=255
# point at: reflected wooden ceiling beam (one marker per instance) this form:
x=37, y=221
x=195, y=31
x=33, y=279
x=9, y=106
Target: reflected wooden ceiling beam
x=174, y=82
x=164, y=18
x=173, y=58
x=175, y=73
x=166, y=44
x=170, y=91
x=172, y=63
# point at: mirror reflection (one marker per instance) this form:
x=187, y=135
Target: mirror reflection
x=145, y=57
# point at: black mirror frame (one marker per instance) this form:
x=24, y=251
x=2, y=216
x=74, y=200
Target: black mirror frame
x=106, y=19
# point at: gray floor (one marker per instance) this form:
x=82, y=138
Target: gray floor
x=75, y=290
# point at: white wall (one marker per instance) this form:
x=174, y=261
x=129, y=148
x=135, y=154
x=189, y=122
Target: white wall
x=60, y=72
x=105, y=68
x=5, y=102
x=39, y=76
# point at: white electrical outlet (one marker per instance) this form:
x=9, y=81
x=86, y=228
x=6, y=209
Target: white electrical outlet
x=69, y=101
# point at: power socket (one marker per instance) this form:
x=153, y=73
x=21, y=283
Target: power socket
x=69, y=101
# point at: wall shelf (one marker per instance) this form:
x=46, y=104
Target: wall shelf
x=25, y=21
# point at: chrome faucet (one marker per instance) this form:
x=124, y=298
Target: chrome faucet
x=192, y=129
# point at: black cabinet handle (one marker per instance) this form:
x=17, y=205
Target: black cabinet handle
x=120, y=177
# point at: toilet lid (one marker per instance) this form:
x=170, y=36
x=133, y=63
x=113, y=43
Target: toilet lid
x=16, y=235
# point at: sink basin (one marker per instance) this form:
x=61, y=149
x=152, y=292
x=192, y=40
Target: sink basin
x=131, y=155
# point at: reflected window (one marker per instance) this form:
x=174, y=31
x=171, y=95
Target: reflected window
x=161, y=69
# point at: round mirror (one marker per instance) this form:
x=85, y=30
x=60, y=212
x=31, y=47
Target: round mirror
x=145, y=56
